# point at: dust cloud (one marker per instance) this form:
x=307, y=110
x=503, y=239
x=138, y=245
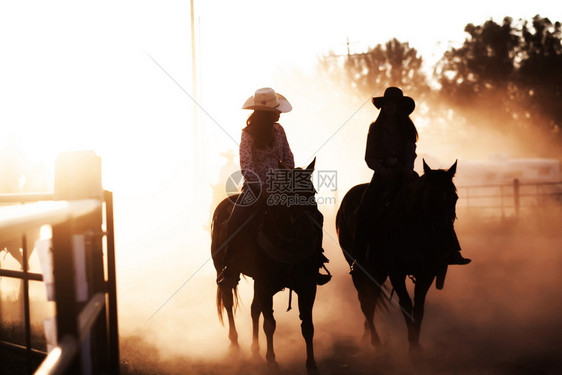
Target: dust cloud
x=500, y=314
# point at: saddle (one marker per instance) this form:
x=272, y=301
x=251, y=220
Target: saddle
x=284, y=245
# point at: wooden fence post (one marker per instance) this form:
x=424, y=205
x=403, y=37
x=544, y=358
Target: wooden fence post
x=78, y=176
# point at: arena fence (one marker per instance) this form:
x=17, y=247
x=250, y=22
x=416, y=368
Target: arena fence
x=509, y=199
x=80, y=214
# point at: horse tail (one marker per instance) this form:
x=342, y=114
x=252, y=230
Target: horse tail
x=226, y=297
x=220, y=304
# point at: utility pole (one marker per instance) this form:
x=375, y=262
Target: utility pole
x=194, y=79
x=196, y=154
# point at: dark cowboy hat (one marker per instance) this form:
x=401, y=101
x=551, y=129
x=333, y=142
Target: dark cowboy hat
x=405, y=103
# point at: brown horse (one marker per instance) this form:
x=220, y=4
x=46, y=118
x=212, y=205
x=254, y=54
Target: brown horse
x=409, y=242
x=278, y=249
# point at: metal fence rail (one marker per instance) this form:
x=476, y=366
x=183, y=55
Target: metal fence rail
x=509, y=198
x=85, y=298
x=15, y=220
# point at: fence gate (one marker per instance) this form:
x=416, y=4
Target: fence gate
x=83, y=287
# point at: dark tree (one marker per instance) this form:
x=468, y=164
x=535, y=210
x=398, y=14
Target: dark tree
x=476, y=78
x=509, y=73
x=482, y=65
x=539, y=76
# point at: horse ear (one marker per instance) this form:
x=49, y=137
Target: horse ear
x=281, y=165
x=451, y=171
x=426, y=167
x=311, y=165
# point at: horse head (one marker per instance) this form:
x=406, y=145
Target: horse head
x=296, y=187
x=438, y=192
x=293, y=208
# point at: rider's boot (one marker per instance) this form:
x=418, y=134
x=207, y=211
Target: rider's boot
x=457, y=258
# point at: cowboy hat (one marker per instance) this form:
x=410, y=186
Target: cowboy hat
x=266, y=99
x=405, y=103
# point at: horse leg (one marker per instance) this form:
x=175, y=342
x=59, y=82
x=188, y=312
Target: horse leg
x=228, y=300
x=399, y=284
x=366, y=330
x=368, y=303
x=368, y=293
x=255, y=312
x=265, y=299
x=306, y=302
x=423, y=283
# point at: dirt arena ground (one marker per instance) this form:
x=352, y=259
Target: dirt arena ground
x=499, y=315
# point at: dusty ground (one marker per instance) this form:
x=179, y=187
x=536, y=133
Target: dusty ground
x=502, y=314
x=499, y=315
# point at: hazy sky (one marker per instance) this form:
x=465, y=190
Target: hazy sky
x=84, y=75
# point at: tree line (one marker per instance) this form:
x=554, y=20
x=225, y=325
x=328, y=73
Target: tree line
x=509, y=73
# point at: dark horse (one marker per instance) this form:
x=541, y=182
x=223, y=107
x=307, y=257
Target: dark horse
x=410, y=241
x=278, y=249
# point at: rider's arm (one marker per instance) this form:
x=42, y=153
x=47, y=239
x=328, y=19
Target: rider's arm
x=410, y=155
x=246, y=161
x=372, y=161
x=287, y=155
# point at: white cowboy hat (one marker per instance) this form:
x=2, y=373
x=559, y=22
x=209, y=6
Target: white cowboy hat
x=266, y=99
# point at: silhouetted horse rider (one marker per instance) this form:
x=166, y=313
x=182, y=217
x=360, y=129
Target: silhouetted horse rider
x=262, y=147
x=391, y=152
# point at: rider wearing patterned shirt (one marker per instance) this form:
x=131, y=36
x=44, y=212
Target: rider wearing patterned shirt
x=262, y=147
x=261, y=160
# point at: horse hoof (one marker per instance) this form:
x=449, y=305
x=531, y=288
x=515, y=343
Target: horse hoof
x=256, y=354
x=416, y=354
x=311, y=368
x=272, y=367
x=270, y=358
x=416, y=348
x=376, y=343
x=366, y=338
